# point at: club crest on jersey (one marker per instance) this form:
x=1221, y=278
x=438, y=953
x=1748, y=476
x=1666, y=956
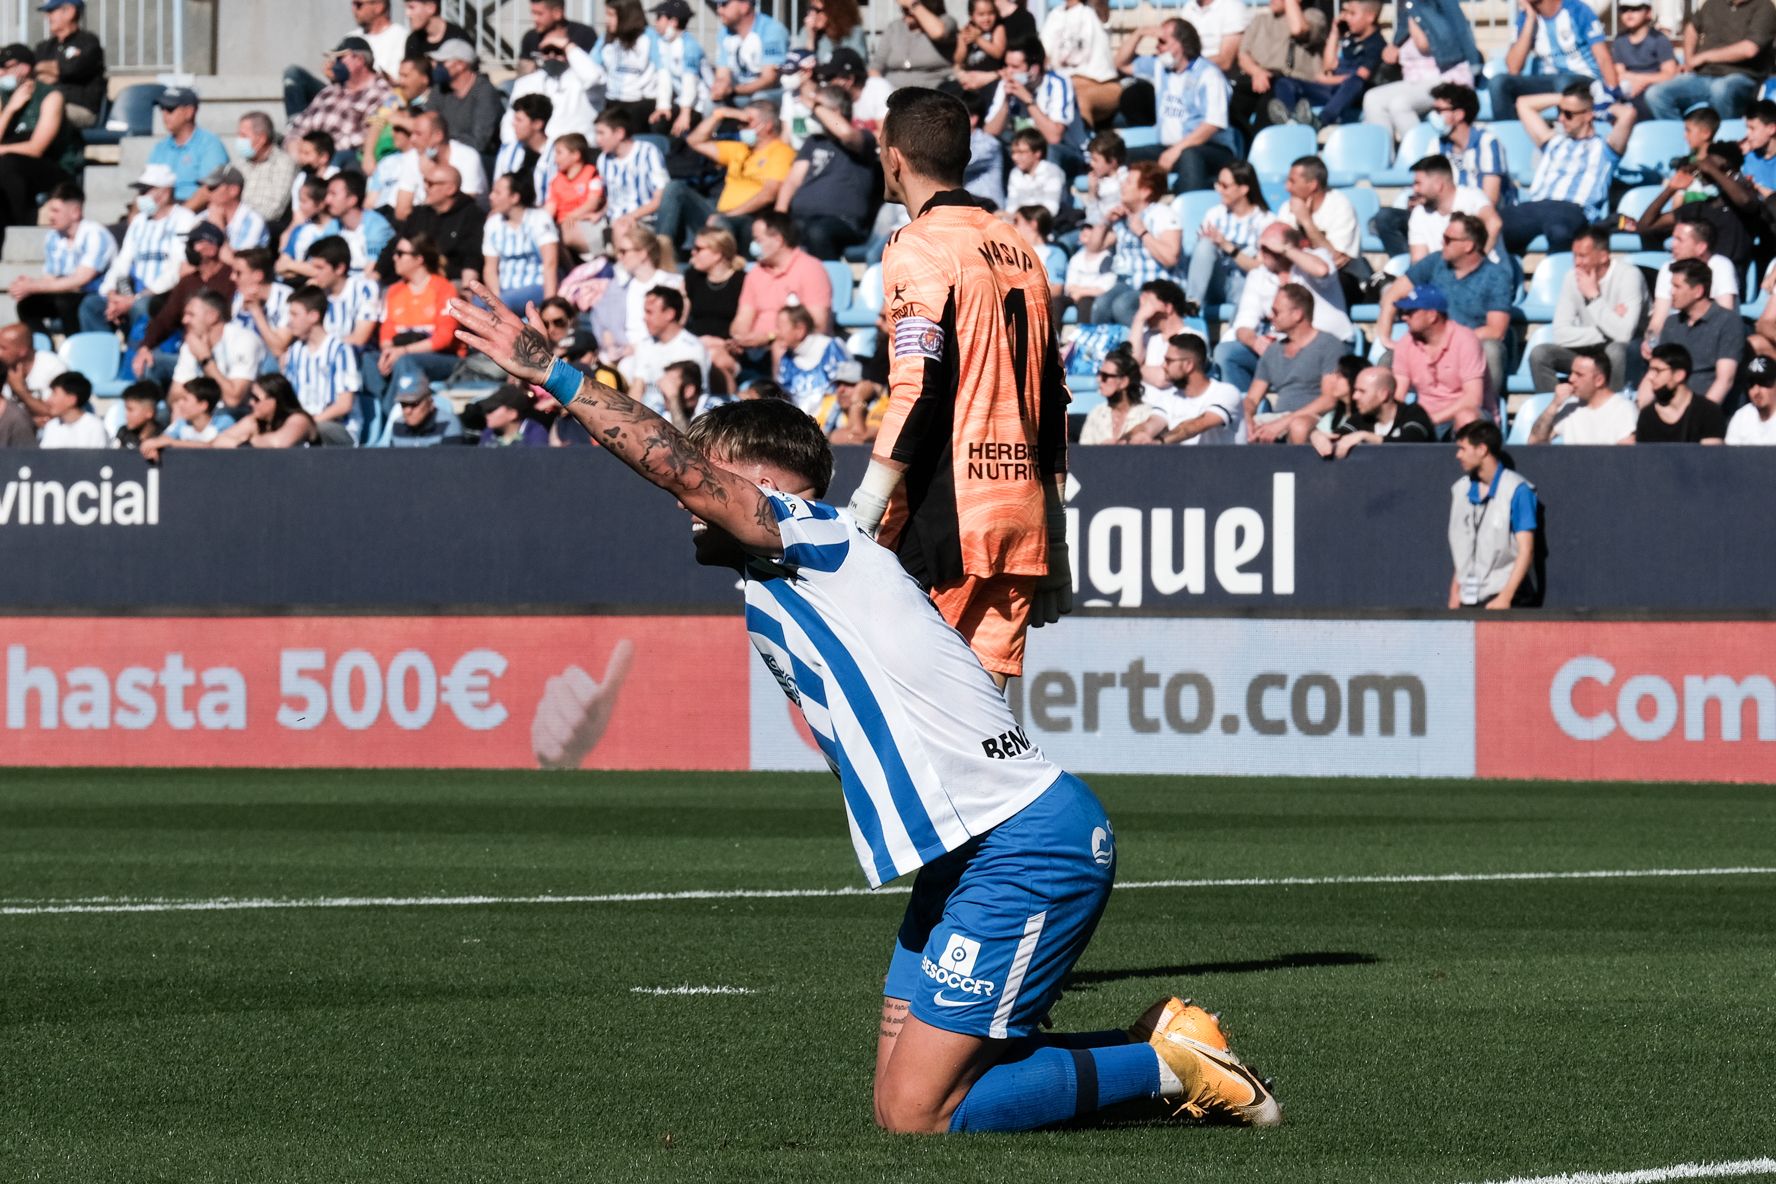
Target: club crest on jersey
x=918, y=337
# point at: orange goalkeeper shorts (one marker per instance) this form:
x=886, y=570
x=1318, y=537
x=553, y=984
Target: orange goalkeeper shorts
x=991, y=613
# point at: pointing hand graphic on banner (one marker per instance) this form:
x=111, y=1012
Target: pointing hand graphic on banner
x=574, y=711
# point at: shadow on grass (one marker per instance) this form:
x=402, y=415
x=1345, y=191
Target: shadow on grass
x=1086, y=979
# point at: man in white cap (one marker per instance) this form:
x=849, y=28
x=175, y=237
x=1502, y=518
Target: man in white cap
x=147, y=264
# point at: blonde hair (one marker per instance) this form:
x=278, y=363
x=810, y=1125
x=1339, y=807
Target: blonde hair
x=722, y=243
x=657, y=246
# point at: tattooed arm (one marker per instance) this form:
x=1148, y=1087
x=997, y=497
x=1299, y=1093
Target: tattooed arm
x=627, y=430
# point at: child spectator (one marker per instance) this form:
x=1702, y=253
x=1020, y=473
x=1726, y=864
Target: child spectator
x=805, y=360
x=1033, y=180
x=633, y=171
x=140, y=402
x=1034, y=224
x=576, y=195
x=1090, y=271
x=1643, y=54
x=70, y=424
x=1351, y=62
x=320, y=370
x=195, y=422
x=1106, y=160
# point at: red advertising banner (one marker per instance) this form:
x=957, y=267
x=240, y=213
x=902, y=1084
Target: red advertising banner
x=492, y=692
x=1626, y=701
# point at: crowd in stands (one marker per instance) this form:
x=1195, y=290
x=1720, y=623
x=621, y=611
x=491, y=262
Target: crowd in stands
x=1280, y=223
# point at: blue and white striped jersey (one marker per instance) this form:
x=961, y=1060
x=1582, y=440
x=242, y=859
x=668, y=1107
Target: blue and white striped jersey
x=1241, y=232
x=91, y=245
x=511, y=160
x=927, y=752
x=301, y=239
x=358, y=301
x=1483, y=157
x=320, y=372
x=747, y=55
x=689, y=72
x=631, y=181
x=1565, y=43
x=1191, y=97
x=518, y=247
x=632, y=74
x=1056, y=98
x=246, y=229
x=277, y=308
x=152, y=250
x=1578, y=171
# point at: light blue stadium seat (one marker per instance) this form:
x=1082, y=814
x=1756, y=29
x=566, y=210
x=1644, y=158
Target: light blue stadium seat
x=1633, y=204
x=41, y=342
x=1650, y=260
x=1275, y=148
x=1752, y=297
x=1139, y=137
x=1731, y=129
x=1544, y=288
x=1651, y=147
x=866, y=302
x=840, y=276
x=862, y=343
x=1082, y=386
x=1191, y=209
x=1518, y=382
x=1367, y=204
x=97, y=356
x=1520, y=150
x=1356, y=151
x=1526, y=417
x=1415, y=145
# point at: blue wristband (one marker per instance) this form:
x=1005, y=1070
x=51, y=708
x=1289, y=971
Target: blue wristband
x=563, y=382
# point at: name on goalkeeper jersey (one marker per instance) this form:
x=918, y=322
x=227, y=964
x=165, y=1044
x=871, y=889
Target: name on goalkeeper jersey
x=991, y=461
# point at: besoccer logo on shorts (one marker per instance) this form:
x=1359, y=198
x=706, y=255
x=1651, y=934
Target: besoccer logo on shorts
x=960, y=954
x=955, y=969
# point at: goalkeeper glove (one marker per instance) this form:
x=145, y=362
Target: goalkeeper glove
x=1054, y=591
x=870, y=501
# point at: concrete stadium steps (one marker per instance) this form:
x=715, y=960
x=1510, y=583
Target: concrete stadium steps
x=24, y=244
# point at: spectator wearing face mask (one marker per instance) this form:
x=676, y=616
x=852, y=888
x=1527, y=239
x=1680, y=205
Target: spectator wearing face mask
x=159, y=351
x=563, y=74
x=757, y=165
x=147, y=261
x=343, y=109
x=465, y=98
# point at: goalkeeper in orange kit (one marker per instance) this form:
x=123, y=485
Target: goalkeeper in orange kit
x=965, y=484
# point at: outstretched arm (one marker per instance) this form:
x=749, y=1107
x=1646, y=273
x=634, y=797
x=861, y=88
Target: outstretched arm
x=626, y=429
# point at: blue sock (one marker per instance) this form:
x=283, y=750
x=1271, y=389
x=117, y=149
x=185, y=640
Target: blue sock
x=1048, y=1085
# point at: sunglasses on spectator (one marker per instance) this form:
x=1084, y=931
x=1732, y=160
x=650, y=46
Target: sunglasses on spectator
x=1573, y=112
x=405, y=251
x=1454, y=238
x=556, y=322
x=1112, y=375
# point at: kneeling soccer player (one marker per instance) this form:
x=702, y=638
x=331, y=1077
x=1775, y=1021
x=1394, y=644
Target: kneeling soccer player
x=1015, y=857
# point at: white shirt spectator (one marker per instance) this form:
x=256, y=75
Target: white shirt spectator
x=1608, y=424
x=1044, y=186
x=464, y=159
x=1724, y=285
x=1425, y=227
x=239, y=354
x=1749, y=427
x=635, y=295
x=1215, y=21
x=1099, y=424
x=1337, y=220
x=871, y=107
x=379, y=186
x=46, y=367
x=153, y=249
x=387, y=47
x=1253, y=311
x=572, y=105
x=181, y=429
x=1077, y=43
x=634, y=73
x=1221, y=399
x=651, y=356
x=1089, y=273
x=86, y=432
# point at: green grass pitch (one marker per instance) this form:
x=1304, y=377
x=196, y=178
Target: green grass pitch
x=1417, y=1033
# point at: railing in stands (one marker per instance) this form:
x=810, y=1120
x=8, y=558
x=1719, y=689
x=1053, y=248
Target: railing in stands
x=139, y=36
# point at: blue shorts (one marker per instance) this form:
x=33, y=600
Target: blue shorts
x=995, y=925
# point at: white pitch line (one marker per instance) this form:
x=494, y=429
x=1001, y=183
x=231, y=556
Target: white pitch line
x=688, y=990
x=1681, y=1171
x=110, y=904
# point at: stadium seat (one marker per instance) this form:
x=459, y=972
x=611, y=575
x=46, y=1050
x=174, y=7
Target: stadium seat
x=1731, y=130
x=1633, y=204
x=1191, y=209
x=1537, y=305
x=1275, y=148
x=41, y=342
x=1651, y=147
x=1139, y=137
x=1367, y=203
x=97, y=356
x=657, y=140
x=1355, y=152
x=840, y=276
x=1415, y=145
x=132, y=114
x=866, y=302
x=1526, y=416
x=1519, y=382
x=1520, y=150
x=862, y=343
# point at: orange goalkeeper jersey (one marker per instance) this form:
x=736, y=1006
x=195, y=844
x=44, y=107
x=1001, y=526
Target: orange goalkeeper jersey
x=978, y=404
